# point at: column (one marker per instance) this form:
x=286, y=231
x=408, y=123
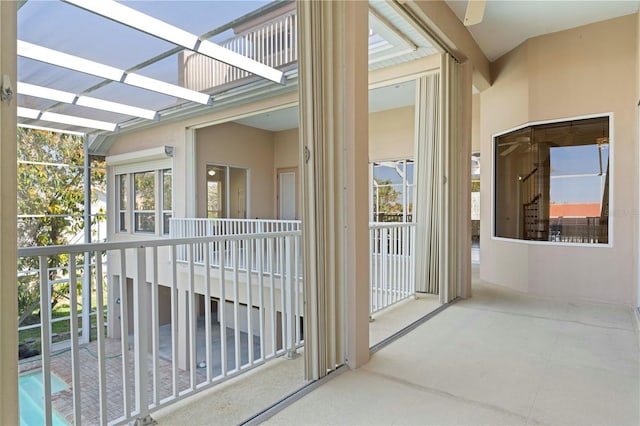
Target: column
x=8, y=196
x=333, y=73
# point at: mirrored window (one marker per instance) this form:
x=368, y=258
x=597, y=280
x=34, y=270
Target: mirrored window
x=552, y=182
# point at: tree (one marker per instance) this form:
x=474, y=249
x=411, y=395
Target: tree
x=386, y=200
x=50, y=203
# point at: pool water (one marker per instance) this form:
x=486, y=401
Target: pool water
x=31, y=403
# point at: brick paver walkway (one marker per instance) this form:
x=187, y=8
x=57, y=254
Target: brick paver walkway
x=89, y=380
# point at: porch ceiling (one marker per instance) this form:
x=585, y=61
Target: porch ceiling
x=508, y=23
x=380, y=99
x=71, y=34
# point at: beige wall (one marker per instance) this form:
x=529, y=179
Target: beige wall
x=582, y=71
x=285, y=149
x=177, y=134
x=475, y=122
x=391, y=134
x=391, y=137
x=236, y=145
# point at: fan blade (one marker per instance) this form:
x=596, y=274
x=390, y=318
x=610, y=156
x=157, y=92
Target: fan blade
x=475, y=12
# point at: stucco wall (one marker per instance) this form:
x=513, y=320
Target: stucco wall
x=285, y=149
x=582, y=71
x=236, y=145
x=475, y=122
x=391, y=134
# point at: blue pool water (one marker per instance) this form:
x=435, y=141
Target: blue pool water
x=31, y=404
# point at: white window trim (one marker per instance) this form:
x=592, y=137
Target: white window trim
x=405, y=186
x=227, y=168
x=610, y=242
x=123, y=165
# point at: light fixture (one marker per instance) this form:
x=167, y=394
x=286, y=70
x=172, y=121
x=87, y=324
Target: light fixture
x=54, y=57
x=211, y=172
x=160, y=29
x=86, y=101
x=66, y=119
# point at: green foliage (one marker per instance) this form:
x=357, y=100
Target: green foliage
x=53, y=195
x=386, y=199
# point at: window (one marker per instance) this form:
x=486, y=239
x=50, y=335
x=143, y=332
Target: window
x=475, y=197
x=552, y=182
x=167, y=202
x=144, y=215
x=122, y=202
x=392, y=191
x=226, y=192
x=151, y=198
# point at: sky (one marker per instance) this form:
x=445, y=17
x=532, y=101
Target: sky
x=583, y=160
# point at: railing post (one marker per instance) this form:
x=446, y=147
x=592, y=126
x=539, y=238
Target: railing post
x=140, y=310
x=45, y=341
x=86, y=300
x=288, y=287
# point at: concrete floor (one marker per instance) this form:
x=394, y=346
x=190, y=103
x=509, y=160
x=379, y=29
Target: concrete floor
x=500, y=357
x=398, y=316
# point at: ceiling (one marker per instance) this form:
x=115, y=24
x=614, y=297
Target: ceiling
x=507, y=23
x=380, y=99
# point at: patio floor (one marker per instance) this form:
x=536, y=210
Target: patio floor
x=61, y=366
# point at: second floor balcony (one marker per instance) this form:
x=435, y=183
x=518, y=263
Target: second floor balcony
x=152, y=322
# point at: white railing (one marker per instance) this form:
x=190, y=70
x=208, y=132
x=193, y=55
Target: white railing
x=183, y=335
x=197, y=227
x=392, y=263
x=392, y=275
x=274, y=43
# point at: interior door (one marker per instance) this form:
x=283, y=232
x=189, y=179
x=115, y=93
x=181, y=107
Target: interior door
x=287, y=200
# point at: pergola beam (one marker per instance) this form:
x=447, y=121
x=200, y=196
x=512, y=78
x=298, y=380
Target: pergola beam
x=142, y=22
x=75, y=63
x=72, y=120
x=85, y=101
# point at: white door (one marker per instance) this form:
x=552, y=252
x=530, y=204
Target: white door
x=287, y=195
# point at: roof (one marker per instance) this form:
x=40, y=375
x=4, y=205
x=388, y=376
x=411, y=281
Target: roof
x=574, y=210
x=149, y=56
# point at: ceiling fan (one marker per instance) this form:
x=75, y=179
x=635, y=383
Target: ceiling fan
x=474, y=13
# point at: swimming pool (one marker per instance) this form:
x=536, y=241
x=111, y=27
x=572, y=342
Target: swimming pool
x=31, y=405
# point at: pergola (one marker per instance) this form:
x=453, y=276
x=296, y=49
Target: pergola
x=90, y=68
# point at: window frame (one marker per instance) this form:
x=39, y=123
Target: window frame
x=129, y=168
x=146, y=212
x=405, y=189
x=122, y=224
x=227, y=181
x=611, y=225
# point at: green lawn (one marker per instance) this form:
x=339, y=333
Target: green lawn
x=60, y=329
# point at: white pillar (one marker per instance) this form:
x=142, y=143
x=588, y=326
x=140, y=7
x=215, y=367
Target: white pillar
x=8, y=213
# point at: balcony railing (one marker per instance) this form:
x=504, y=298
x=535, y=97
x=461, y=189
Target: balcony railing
x=273, y=43
x=391, y=248
x=194, y=227
x=167, y=334
x=392, y=266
